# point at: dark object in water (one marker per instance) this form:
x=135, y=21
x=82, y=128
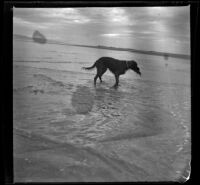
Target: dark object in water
x=166, y=56
x=39, y=38
x=117, y=67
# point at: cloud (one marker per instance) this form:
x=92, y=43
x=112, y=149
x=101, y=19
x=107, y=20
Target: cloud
x=112, y=22
x=26, y=23
x=50, y=15
x=113, y=15
x=117, y=16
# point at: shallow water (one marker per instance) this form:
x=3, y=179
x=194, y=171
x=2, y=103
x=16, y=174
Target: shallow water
x=72, y=131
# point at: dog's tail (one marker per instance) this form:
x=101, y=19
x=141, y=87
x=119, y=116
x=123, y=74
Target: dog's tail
x=89, y=68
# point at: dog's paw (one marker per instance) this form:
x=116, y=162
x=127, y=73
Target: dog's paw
x=114, y=86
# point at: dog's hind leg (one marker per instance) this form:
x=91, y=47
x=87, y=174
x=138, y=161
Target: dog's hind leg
x=95, y=79
x=101, y=72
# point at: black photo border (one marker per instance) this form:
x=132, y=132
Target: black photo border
x=7, y=68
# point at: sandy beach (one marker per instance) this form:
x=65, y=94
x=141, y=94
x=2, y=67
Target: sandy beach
x=66, y=130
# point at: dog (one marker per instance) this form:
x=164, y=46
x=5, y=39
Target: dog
x=117, y=67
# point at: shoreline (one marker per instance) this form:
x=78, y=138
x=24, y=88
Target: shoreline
x=166, y=55
x=156, y=53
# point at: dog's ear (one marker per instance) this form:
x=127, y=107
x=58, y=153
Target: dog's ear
x=134, y=63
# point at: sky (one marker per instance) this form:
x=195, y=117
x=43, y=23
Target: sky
x=148, y=28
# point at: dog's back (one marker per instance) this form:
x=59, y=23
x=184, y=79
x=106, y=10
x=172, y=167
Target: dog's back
x=107, y=62
x=114, y=65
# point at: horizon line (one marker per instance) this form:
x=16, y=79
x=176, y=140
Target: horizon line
x=157, y=53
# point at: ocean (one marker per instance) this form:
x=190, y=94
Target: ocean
x=67, y=130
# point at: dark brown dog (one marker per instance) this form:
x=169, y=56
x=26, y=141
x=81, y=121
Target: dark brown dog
x=117, y=67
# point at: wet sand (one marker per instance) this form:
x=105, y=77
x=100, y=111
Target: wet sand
x=39, y=160
x=65, y=130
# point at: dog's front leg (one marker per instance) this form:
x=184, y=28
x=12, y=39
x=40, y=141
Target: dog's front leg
x=116, y=80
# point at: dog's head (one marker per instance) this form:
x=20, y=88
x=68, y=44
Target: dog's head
x=133, y=65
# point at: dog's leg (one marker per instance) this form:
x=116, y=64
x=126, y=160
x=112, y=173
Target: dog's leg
x=95, y=79
x=117, y=81
x=100, y=72
x=100, y=79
